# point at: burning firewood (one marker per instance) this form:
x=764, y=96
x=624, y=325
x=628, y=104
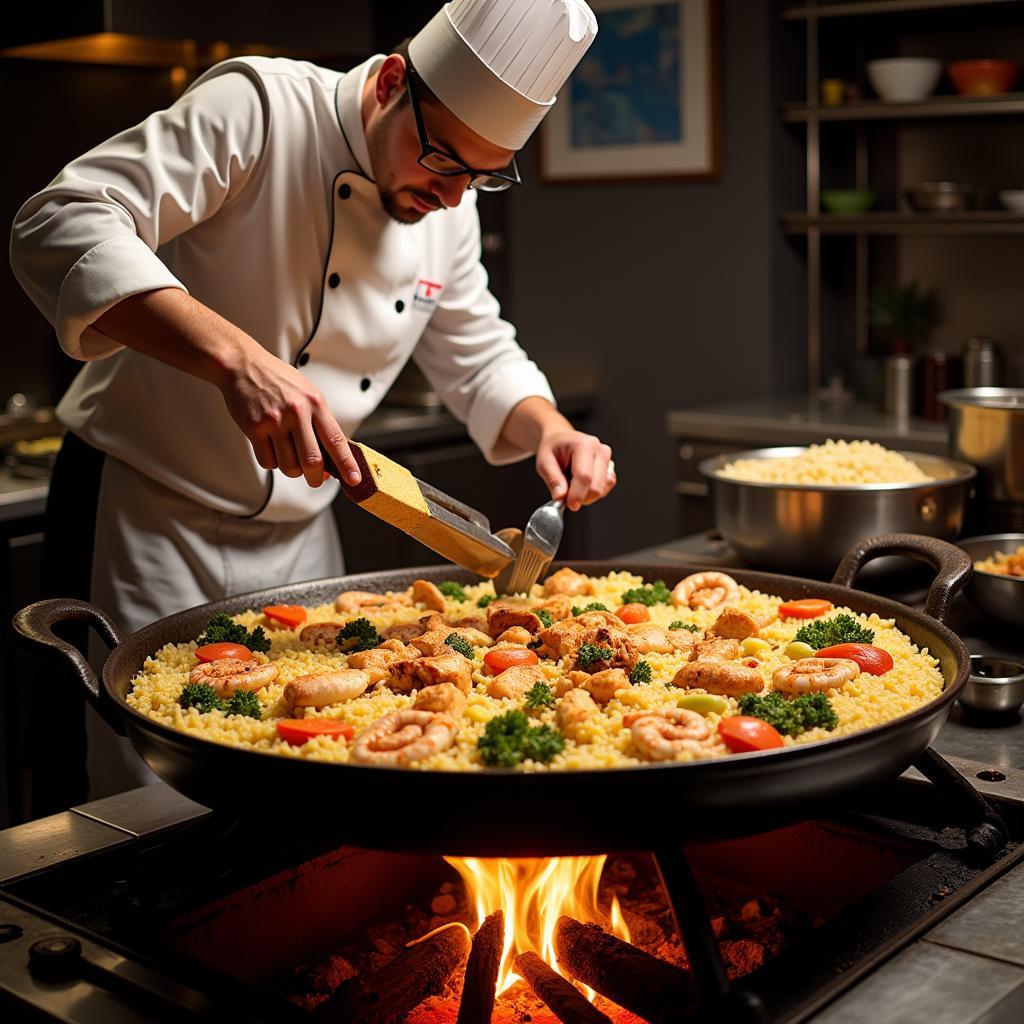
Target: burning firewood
x=565, y=1001
x=651, y=988
x=388, y=994
x=478, y=991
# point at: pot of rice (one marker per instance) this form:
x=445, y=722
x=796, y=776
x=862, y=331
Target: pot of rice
x=798, y=509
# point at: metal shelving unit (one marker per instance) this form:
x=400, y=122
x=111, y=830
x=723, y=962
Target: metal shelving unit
x=812, y=223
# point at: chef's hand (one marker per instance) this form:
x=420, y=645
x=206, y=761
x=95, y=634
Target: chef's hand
x=282, y=414
x=586, y=459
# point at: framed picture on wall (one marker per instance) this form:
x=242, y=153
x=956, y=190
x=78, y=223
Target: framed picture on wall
x=643, y=102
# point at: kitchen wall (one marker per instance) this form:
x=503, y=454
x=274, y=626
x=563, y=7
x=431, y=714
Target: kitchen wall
x=674, y=293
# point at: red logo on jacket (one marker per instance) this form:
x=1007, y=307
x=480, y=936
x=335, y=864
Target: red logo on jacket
x=426, y=294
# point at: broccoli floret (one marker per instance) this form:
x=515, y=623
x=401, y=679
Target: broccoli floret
x=594, y=606
x=460, y=644
x=510, y=739
x=544, y=615
x=221, y=629
x=453, y=590
x=201, y=697
x=650, y=594
x=358, y=635
x=539, y=696
x=790, y=717
x=483, y=602
x=589, y=653
x=641, y=673
x=679, y=624
x=842, y=629
x=244, y=702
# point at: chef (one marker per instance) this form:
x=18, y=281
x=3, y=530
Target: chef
x=244, y=274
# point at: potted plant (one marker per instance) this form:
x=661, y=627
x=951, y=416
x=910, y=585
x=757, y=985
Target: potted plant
x=906, y=313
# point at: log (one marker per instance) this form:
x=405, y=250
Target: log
x=658, y=991
x=564, y=1000
x=480, y=986
x=388, y=994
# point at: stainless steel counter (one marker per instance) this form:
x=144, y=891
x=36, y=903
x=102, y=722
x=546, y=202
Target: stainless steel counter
x=796, y=419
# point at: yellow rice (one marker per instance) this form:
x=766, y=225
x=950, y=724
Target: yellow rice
x=865, y=701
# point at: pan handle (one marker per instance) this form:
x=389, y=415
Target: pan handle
x=34, y=625
x=953, y=566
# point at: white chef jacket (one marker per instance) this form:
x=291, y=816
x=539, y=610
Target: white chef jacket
x=253, y=194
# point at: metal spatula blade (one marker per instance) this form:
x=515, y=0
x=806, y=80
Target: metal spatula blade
x=541, y=538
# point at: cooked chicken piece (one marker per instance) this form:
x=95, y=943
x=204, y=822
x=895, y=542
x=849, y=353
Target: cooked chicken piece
x=353, y=602
x=396, y=645
x=444, y=697
x=515, y=681
x=574, y=709
x=515, y=635
x=502, y=616
x=650, y=638
x=433, y=621
x=434, y=641
x=558, y=607
x=624, y=653
x=376, y=662
x=475, y=637
x=569, y=582
x=563, y=638
x=602, y=686
x=417, y=673
x=728, y=678
x=472, y=622
x=426, y=593
x=734, y=624
x=715, y=648
x=403, y=631
x=324, y=688
x=594, y=619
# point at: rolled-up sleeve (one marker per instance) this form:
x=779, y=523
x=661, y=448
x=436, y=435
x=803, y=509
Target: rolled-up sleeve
x=470, y=354
x=90, y=238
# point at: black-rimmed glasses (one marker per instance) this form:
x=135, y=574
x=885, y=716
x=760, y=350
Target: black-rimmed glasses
x=438, y=161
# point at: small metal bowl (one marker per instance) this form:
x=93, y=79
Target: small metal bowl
x=940, y=196
x=996, y=685
x=1000, y=597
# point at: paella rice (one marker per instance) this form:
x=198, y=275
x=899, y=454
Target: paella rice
x=599, y=731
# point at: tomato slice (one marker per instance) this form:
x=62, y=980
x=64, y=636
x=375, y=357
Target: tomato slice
x=805, y=608
x=297, y=731
x=743, y=733
x=871, y=659
x=214, y=652
x=289, y=615
x=630, y=613
x=505, y=657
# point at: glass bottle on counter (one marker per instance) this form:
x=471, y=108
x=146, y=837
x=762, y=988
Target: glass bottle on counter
x=937, y=371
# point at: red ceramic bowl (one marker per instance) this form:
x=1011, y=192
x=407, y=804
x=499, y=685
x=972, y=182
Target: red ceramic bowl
x=982, y=77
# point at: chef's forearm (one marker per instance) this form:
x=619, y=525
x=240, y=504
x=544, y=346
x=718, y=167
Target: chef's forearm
x=169, y=325
x=530, y=421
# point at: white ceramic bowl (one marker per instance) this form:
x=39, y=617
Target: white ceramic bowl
x=1013, y=199
x=904, y=79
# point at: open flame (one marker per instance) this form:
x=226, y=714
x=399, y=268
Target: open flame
x=533, y=894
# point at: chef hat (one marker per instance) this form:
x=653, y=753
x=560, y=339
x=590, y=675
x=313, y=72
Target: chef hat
x=498, y=64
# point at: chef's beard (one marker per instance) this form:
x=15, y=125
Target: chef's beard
x=386, y=189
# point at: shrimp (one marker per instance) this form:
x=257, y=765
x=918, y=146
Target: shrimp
x=661, y=735
x=814, y=675
x=320, y=632
x=324, y=688
x=403, y=631
x=728, y=678
x=353, y=602
x=444, y=697
x=575, y=709
x=402, y=737
x=426, y=593
x=569, y=582
x=735, y=625
x=705, y=590
x=226, y=675
x=515, y=681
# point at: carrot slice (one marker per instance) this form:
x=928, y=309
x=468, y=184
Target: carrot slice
x=214, y=652
x=297, y=731
x=806, y=608
x=289, y=615
x=505, y=657
x=630, y=613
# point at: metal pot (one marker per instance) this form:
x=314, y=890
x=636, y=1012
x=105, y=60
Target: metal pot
x=1001, y=597
x=986, y=429
x=808, y=527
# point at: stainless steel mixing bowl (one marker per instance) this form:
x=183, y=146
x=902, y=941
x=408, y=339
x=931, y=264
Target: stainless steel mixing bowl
x=1001, y=597
x=805, y=528
x=996, y=685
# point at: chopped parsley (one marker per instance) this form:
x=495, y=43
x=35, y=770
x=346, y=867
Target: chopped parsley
x=459, y=643
x=244, y=702
x=649, y=594
x=201, y=697
x=594, y=606
x=539, y=696
x=679, y=624
x=221, y=629
x=453, y=590
x=544, y=615
x=510, y=739
x=589, y=653
x=483, y=602
x=641, y=673
x=841, y=629
x=791, y=717
x=358, y=635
